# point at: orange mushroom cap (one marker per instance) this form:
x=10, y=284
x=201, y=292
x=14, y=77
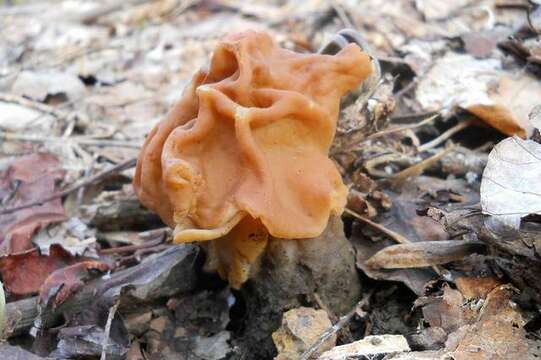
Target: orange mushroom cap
x=247, y=148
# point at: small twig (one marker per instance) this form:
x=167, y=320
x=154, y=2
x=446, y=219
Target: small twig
x=19, y=100
x=107, y=330
x=371, y=165
x=407, y=88
x=403, y=128
x=342, y=15
x=393, y=235
x=77, y=140
x=527, y=7
x=83, y=182
x=131, y=248
x=137, y=255
x=344, y=334
x=93, y=15
x=151, y=234
x=325, y=308
x=411, y=119
x=16, y=184
x=180, y=9
x=58, y=61
x=446, y=135
x=81, y=191
x=336, y=327
x=417, y=169
x=534, y=29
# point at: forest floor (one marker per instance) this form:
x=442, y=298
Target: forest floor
x=442, y=159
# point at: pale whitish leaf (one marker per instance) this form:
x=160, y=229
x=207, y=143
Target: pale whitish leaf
x=500, y=98
x=510, y=187
x=14, y=117
x=458, y=79
x=442, y=10
x=369, y=346
x=73, y=235
x=38, y=84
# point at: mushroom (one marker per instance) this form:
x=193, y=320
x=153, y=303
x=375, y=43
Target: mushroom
x=241, y=161
x=241, y=165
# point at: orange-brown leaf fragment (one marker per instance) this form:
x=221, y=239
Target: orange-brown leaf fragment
x=250, y=139
x=24, y=273
x=27, y=179
x=499, y=118
x=476, y=288
x=65, y=281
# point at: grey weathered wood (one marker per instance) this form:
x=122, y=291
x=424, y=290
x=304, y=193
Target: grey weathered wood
x=20, y=316
x=161, y=275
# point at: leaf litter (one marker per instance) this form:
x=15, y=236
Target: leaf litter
x=441, y=162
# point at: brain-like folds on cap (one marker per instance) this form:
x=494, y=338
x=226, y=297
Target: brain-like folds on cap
x=248, y=142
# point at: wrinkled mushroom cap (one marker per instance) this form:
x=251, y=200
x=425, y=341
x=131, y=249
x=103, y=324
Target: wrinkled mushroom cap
x=247, y=147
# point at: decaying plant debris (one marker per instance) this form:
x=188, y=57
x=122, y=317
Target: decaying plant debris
x=440, y=155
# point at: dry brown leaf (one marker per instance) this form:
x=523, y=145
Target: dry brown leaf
x=482, y=323
x=402, y=218
x=28, y=179
x=500, y=118
x=513, y=98
x=24, y=273
x=446, y=311
x=498, y=97
x=491, y=340
x=476, y=288
x=415, y=279
x=497, y=334
x=421, y=254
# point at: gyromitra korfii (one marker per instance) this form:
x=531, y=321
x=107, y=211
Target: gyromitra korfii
x=244, y=153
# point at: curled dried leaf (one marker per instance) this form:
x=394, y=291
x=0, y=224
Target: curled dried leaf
x=64, y=282
x=506, y=197
x=422, y=254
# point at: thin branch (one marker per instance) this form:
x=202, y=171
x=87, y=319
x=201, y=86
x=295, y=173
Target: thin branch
x=107, y=330
x=132, y=248
x=417, y=169
x=530, y=21
x=92, y=16
x=336, y=327
x=78, y=140
x=344, y=335
x=403, y=128
x=342, y=15
x=83, y=182
x=446, y=135
x=19, y=100
x=393, y=235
